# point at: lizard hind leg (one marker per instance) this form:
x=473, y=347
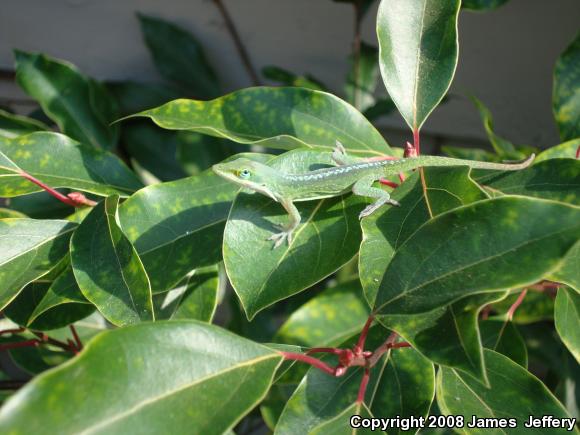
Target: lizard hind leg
x=341, y=158
x=363, y=187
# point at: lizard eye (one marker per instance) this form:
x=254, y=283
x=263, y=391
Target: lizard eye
x=244, y=173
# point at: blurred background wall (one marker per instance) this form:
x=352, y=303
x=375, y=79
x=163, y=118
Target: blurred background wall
x=506, y=56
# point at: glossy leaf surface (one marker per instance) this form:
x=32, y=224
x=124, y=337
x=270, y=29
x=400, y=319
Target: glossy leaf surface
x=276, y=118
x=202, y=376
x=328, y=318
x=196, y=298
x=567, y=318
x=514, y=393
x=418, y=53
x=30, y=249
x=490, y=245
x=59, y=161
x=327, y=238
x=107, y=268
x=178, y=226
x=80, y=106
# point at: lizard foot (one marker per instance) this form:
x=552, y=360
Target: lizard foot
x=339, y=154
x=374, y=207
x=280, y=237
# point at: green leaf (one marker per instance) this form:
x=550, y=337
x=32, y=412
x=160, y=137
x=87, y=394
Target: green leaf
x=6, y=213
x=197, y=152
x=328, y=318
x=30, y=249
x=134, y=97
x=179, y=57
x=569, y=271
x=501, y=146
x=514, y=393
x=564, y=150
x=288, y=78
x=196, y=298
x=567, y=319
x=282, y=118
x=184, y=225
x=107, y=268
x=12, y=126
x=200, y=377
x=503, y=337
x=81, y=107
x=418, y=53
x=387, y=230
x=556, y=179
x=361, y=84
x=327, y=238
x=401, y=384
x=62, y=303
x=59, y=161
x=566, y=93
x=482, y=5
x=154, y=149
x=500, y=243
x=448, y=336
x=21, y=310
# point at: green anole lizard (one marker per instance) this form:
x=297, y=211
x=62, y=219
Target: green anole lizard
x=350, y=175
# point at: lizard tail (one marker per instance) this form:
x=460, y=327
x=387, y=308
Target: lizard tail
x=448, y=161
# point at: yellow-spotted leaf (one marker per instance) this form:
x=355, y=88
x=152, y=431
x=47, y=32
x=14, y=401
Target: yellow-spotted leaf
x=59, y=161
x=30, y=249
x=275, y=118
x=178, y=226
x=164, y=377
x=107, y=268
x=328, y=237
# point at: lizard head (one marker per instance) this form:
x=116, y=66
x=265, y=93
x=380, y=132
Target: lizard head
x=250, y=174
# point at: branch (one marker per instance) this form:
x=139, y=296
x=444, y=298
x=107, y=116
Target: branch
x=238, y=42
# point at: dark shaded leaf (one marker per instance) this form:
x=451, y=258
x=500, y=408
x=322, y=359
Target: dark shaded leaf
x=567, y=319
x=12, y=126
x=566, y=92
x=80, y=106
x=179, y=57
x=107, y=268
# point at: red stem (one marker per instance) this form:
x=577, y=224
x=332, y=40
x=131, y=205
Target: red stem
x=416, y=143
x=578, y=152
x=46, y=339
x=50, y=190
x=28, y=343
x=309, y=360
x=516, y=304
x=360, y=345
x=12, y=331
x=79, y=343
x=363, y=386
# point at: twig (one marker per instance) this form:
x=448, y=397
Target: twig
x=79, y=343
x=309, y=360
x=356, y=52
x=74, y=199
x=238, y=42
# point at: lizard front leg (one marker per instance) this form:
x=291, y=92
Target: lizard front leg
x=287, y=230
x=363, y=187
